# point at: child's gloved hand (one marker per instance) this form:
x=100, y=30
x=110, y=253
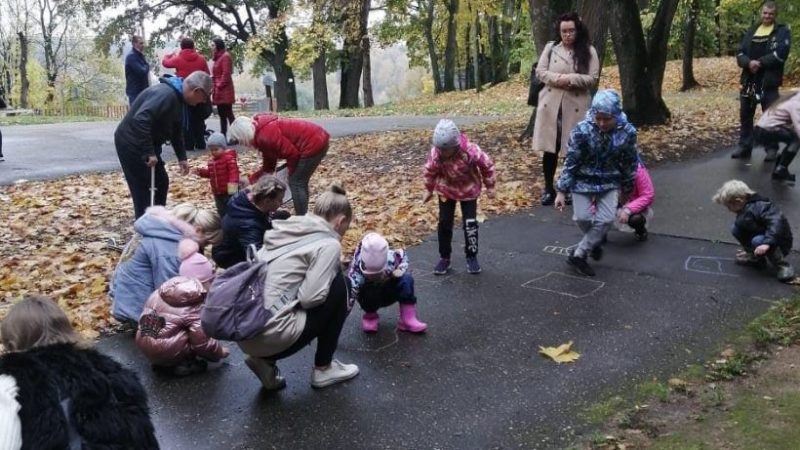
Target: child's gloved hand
x=397, y=273
x=233, y=188
x=491, y=193
x=761, y=250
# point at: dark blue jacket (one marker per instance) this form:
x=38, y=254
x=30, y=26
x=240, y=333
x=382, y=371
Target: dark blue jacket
x=772, y=63
x=243, y=224
x=137, y=73
x=762, y=217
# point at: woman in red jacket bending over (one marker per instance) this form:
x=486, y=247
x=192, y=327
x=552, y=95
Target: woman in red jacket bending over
x=301, y=143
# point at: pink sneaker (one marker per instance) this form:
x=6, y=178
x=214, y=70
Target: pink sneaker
x=369, y=322
x=408, y=320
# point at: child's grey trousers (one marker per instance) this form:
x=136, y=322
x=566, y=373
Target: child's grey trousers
x=594, y=213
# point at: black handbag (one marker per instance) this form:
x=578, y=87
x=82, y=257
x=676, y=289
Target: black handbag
x=536, y=84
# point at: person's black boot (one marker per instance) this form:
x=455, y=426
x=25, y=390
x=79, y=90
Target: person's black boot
x=743, y=152
x=781, y=172
x=772, y=154
x=580, y=265
x=548, y=197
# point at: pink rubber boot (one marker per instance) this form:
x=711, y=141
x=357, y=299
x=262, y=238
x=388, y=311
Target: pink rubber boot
x=369, y=322
x=408, y=320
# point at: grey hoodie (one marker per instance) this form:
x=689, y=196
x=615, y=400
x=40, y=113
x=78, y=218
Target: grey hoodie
x=296, y=281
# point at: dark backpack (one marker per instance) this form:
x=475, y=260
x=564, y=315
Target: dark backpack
x=234, y=307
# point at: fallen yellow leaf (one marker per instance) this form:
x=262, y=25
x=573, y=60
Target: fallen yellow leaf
x=561, y=354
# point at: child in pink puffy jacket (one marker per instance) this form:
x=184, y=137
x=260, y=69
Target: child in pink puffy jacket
x=634, y=210
x=169, y=333
x=456, y=170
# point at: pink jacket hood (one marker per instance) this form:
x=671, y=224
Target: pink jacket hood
x=181, y=291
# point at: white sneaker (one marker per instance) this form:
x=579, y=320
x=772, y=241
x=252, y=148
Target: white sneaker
x=266, y=371
x=336, y=373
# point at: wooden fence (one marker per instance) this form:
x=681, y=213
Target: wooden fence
x=106, y=111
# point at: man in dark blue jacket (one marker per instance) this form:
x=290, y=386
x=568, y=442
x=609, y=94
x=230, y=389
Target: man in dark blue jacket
x=762, y=56
x=137, y=70
x=158, y=114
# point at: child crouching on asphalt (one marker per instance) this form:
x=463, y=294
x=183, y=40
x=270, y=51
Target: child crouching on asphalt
x=169, y=334
x=222, y=172
x=635, y=208
x=379, y=277
x=456, y=169
x=760, y=227
x=780, y=124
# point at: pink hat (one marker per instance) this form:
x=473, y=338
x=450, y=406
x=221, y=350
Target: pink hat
x=373, y=253
x=193, y=264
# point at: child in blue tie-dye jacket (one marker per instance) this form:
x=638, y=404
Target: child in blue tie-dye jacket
x=379, y=277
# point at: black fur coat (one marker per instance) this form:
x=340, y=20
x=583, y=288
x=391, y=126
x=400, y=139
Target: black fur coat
x=109, y=405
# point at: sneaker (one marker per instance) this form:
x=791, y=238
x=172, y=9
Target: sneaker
x=473, y=266
x=336, y=373
x=267, y=371
x=641, y=236
x=772, y=154
x=580, y=265
x=597, y=253
x=2, y=159
x=742, y=152
x=442, y=266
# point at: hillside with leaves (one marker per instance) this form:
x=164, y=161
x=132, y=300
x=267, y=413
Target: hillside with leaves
x=54, y=241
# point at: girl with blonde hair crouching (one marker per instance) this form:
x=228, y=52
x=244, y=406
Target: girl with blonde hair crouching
x=306, y=292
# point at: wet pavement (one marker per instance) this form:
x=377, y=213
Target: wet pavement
x=475, y=380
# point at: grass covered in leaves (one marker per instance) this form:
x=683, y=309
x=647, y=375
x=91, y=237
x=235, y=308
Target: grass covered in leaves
x=745, y=397
x=54, y=238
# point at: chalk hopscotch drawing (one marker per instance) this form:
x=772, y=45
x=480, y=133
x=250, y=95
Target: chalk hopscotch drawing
x=711, y=265
x=556, y=250
x=564, y=284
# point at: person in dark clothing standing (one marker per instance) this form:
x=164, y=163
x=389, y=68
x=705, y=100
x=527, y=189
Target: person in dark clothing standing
x=185, y=62
x=157, y=115
x=137, y=70
x=762, y=56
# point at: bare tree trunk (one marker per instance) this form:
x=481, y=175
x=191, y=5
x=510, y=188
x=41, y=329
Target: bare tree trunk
x=689, y=80
x=543, y=17
x=516, y=66
x=366, y=83
x=636, y=65
x=428, y=31
x=475, y=38
x=24, y=82
x=595, y=16
x=718, y=24
x=657, y=40
x=469, y=68
x=319, y=72
x=285, y=89
x=450, y=50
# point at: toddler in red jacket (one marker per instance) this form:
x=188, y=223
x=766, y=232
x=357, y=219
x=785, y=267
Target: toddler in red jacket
x=222, y=172
x=170, y=334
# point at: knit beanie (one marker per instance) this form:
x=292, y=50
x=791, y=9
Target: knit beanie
x=217, y=140
x=193, y=264
x=446, y=134
x=374, y=249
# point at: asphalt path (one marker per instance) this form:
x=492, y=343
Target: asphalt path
x=475, y=380
x=38, y=152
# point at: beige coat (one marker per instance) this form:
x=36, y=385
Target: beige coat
x=783, y=115
x=295, y=282
x=573, y=101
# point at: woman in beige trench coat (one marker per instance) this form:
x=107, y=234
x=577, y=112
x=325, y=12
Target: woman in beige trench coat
x=569, y=68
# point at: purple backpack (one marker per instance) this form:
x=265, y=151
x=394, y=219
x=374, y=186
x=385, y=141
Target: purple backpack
x=234, y=307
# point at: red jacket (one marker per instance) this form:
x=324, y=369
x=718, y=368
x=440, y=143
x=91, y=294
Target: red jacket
x=185, y=62
x=222, y=171
x=289, y=139
x=169, y=327
x=222, y=73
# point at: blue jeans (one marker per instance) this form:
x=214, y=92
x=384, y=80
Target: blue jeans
x=748, y=242
x=378, y=295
